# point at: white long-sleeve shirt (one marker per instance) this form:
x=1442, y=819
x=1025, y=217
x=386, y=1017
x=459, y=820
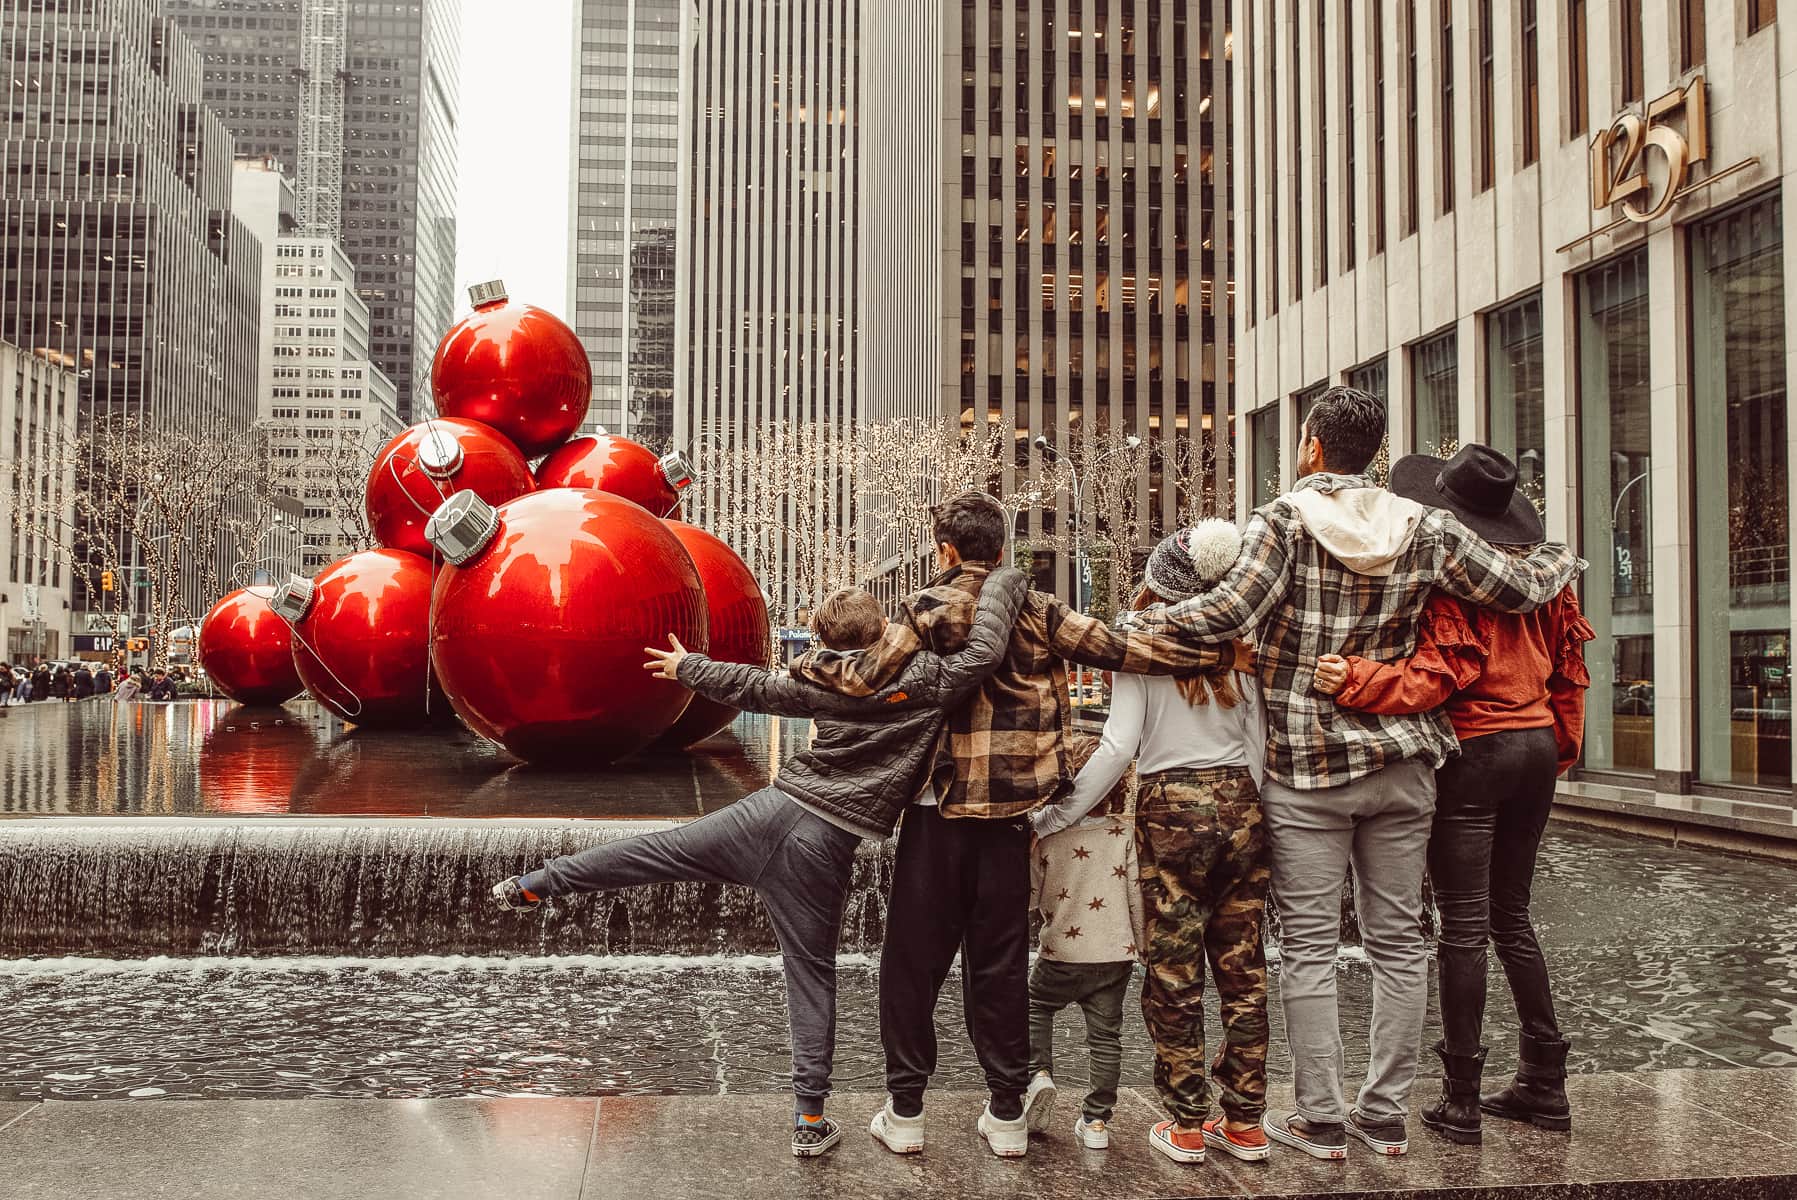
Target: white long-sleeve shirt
x=1154, y=726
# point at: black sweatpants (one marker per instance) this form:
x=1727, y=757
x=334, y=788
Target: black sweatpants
x=959, y=885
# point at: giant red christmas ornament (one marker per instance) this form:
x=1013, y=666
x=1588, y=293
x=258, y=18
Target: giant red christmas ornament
x=542, y=618
x=620, y=466
x=428, y=463
x=359, y=637
x=247, y=649
x=737, y=621
x=514, y=367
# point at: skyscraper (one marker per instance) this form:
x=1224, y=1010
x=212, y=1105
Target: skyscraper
x=358, y=99
x=625, y=135
x=767, y=295
x=119, y=256
x=1045, y=228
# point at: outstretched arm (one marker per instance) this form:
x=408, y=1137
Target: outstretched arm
x=1475, y=570
x=751, y=689
x=1236, y=607
x=1116, y=750
x=1089, y=642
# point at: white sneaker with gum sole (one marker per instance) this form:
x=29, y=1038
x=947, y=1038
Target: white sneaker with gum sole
x=901, y=1135
x=1007, y=1139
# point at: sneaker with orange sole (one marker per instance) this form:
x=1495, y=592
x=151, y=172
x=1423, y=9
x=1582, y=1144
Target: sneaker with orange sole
x=1249, y=1145
x=1176, y=1143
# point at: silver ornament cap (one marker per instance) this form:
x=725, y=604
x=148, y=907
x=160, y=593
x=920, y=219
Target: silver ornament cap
x=439, y=453
x=461, y=527
x=491, y=292
x=678, y=470
x=293, y=599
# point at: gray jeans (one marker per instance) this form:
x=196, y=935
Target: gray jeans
x=1380, y=825
x=1098, y=989
x=799, y=865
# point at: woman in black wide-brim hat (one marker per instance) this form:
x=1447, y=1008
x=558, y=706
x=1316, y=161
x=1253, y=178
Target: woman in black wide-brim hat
x=1514, y=688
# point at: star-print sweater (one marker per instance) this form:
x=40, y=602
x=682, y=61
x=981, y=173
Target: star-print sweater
x=1085, y=888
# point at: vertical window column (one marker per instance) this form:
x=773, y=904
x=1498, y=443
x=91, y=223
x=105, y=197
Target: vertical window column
x=1741, y=537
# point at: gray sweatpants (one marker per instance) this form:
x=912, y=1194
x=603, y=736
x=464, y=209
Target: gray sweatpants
x=1380, y=824
x=799, y=865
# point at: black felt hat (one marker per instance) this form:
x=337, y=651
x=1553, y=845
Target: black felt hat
x=1478, y=485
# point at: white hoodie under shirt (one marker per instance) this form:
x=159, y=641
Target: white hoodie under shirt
x=1154, y=726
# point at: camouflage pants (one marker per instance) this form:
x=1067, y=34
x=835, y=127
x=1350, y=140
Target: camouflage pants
x=1202, y=852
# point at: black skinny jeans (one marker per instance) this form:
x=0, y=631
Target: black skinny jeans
x=1491, y=807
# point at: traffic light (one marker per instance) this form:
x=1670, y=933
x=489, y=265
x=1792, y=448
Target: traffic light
x=105, y=581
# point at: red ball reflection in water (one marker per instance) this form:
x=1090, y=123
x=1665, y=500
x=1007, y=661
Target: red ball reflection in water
x=517, y=368
x=539, y=637
x=426, y=464
x=250, y=761
x=737, y=619
x=611, y=464
x=362, y=645
x=247, y=649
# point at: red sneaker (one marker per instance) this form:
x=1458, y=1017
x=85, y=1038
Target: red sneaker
x=1249, y=1145
x=1176, y=1143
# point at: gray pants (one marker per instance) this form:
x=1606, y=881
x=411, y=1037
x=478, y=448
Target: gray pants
x=1098, y=989
x=1380, y=825
x=799, y=865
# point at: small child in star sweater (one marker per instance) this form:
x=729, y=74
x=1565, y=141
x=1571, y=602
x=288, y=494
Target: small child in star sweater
x=1085, y=889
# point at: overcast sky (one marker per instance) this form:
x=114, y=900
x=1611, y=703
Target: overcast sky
x=513, y=209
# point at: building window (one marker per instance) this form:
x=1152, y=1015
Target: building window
x=1370, y=377
x=1263, y=449
x=1297, y=128
x=1578, y=95
x=1628, y=28
x=1761, y=13
x=1742, y=536
x=1487, y=98
x=1615, y=455
x=1376, y=40
x=1412, y=193
x=1324, y=149
x=1690, y=33
x=1445, y=72
x=1531, y=85
x=1306, y=399
x=1513, y=378
x=1435, y=395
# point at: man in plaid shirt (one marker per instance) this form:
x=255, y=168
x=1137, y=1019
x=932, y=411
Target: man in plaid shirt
x=962, y=880
x=1337, y=566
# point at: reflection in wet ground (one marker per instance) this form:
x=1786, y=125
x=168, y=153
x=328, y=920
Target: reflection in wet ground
x=603, y=1026
x=211, y=757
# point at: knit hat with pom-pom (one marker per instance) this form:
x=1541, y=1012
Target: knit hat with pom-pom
x=1193, y=560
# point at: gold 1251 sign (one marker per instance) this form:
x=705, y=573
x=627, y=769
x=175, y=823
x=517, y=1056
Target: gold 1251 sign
x=1619, y=155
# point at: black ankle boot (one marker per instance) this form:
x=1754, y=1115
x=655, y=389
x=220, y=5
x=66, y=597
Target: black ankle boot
x=1456, y=1115
x=1538, y=1094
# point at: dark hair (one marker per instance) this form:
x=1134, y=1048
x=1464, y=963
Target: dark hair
x=848, y=619
x=973, y=523
x=1350, y=425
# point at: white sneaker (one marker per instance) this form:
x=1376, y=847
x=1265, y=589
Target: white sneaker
x=1008, y=1139
x=901, y=1135
x=1038, y=1102
x=1093, y=1135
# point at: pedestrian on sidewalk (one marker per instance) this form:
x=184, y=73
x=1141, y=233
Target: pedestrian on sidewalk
x=1340, y=566
x=1083, y=881
x=1514, y=688
x=795, y=841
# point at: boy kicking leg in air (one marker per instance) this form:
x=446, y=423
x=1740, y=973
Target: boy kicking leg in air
x=794, y=841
